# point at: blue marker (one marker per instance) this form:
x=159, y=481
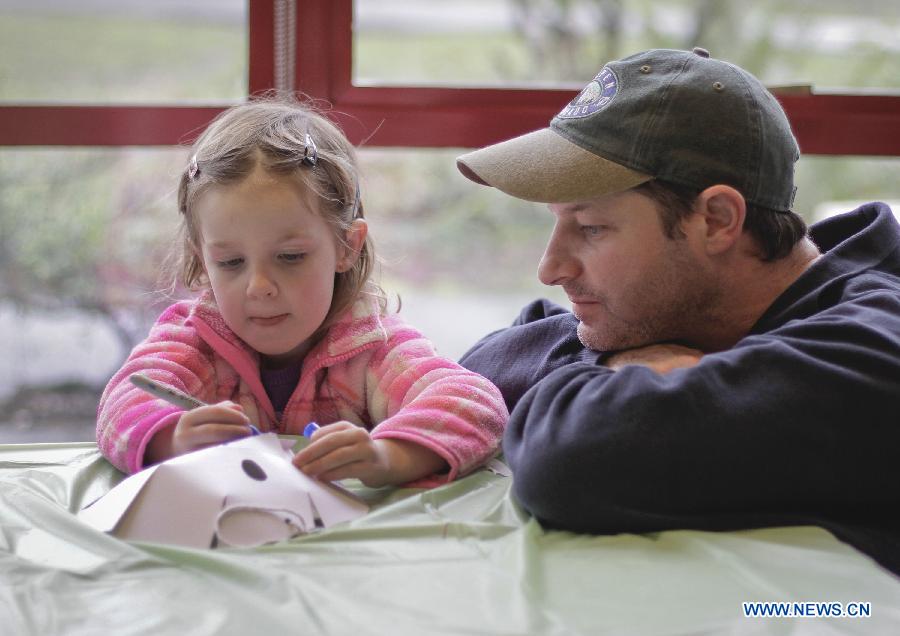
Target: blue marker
x=309, y=429
x=172, y=396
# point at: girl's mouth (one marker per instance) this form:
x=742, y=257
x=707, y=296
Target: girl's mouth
x=268, y=321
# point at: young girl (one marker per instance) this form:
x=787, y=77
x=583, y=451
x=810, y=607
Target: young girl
x=289, y=328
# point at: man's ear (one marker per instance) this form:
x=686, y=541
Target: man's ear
x=723, y=209
x=354, y=239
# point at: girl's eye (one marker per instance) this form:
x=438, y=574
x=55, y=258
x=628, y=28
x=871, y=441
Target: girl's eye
x=292, y=257
x=231, y=263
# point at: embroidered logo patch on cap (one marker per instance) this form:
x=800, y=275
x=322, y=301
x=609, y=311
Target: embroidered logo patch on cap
x=594, y=96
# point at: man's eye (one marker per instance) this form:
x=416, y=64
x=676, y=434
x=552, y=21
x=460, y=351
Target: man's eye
x=592, y=230
x=292, y=257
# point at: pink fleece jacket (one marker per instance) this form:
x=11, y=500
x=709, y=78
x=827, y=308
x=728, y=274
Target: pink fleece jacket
x=370, y=369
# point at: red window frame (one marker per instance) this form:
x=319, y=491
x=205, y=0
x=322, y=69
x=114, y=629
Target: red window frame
x=831, y=124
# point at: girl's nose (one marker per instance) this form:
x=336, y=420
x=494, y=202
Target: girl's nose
x=558, y=265
x=261, y=285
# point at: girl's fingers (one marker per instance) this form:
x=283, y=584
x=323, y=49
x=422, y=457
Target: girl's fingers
x=355, y=470
x=338, y=458
x=345, y=453
x=208, y=426
x=327, y=440
x=215, y=413
x=331, y=429
x=218, y=433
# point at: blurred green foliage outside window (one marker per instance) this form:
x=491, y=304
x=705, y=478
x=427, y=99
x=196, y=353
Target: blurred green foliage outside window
x=83, y=230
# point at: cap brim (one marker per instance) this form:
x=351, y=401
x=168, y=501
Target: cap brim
x=543, y=166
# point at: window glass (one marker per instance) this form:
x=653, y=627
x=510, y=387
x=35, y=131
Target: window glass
x=463, y=258
x=830, y=185
x=83, y=234
x=827, y=43
x=114, y=51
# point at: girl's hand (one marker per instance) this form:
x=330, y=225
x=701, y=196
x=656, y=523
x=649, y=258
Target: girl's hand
x=343, y=450
x=198, y=428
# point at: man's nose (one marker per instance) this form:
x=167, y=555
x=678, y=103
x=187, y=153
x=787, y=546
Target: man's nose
x=261, y=284
x=557, y=265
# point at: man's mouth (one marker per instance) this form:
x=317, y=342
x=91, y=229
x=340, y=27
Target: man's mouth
x=579, y=299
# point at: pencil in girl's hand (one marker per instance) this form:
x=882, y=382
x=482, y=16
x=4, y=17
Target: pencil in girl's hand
x=170, y=395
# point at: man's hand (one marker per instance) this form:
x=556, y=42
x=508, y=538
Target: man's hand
x=662, y=358
x=342, y=450
x=196, y=429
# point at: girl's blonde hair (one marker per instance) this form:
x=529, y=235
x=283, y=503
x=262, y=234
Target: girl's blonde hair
x=288, y=138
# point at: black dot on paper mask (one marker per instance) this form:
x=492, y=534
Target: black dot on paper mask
x=253, y=470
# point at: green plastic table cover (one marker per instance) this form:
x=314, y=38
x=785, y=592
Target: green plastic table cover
x=461, y=559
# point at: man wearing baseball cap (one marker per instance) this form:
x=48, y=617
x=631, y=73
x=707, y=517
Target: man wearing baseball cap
x=723, y=366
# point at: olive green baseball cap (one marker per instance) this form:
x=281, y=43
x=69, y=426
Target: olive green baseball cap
x=678, y=116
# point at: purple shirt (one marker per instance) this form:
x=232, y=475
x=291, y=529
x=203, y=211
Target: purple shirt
x=280, y=384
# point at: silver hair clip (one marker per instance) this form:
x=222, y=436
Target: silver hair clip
x=310, y=152
x=193, y=168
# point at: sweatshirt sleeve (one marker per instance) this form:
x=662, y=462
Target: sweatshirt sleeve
x=127, y=417
x=797, y=423
x=542, y=338
x=420, y=397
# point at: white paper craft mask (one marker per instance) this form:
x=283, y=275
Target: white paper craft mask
x=243, y=493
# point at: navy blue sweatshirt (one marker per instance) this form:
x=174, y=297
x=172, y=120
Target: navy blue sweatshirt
x=798, y=423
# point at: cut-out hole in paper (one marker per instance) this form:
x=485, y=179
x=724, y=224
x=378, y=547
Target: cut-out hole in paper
x=253, y=470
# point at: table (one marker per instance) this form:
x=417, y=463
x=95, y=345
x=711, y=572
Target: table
x=460, y=559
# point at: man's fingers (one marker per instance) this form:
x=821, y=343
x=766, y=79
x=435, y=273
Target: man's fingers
x=662, y=358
